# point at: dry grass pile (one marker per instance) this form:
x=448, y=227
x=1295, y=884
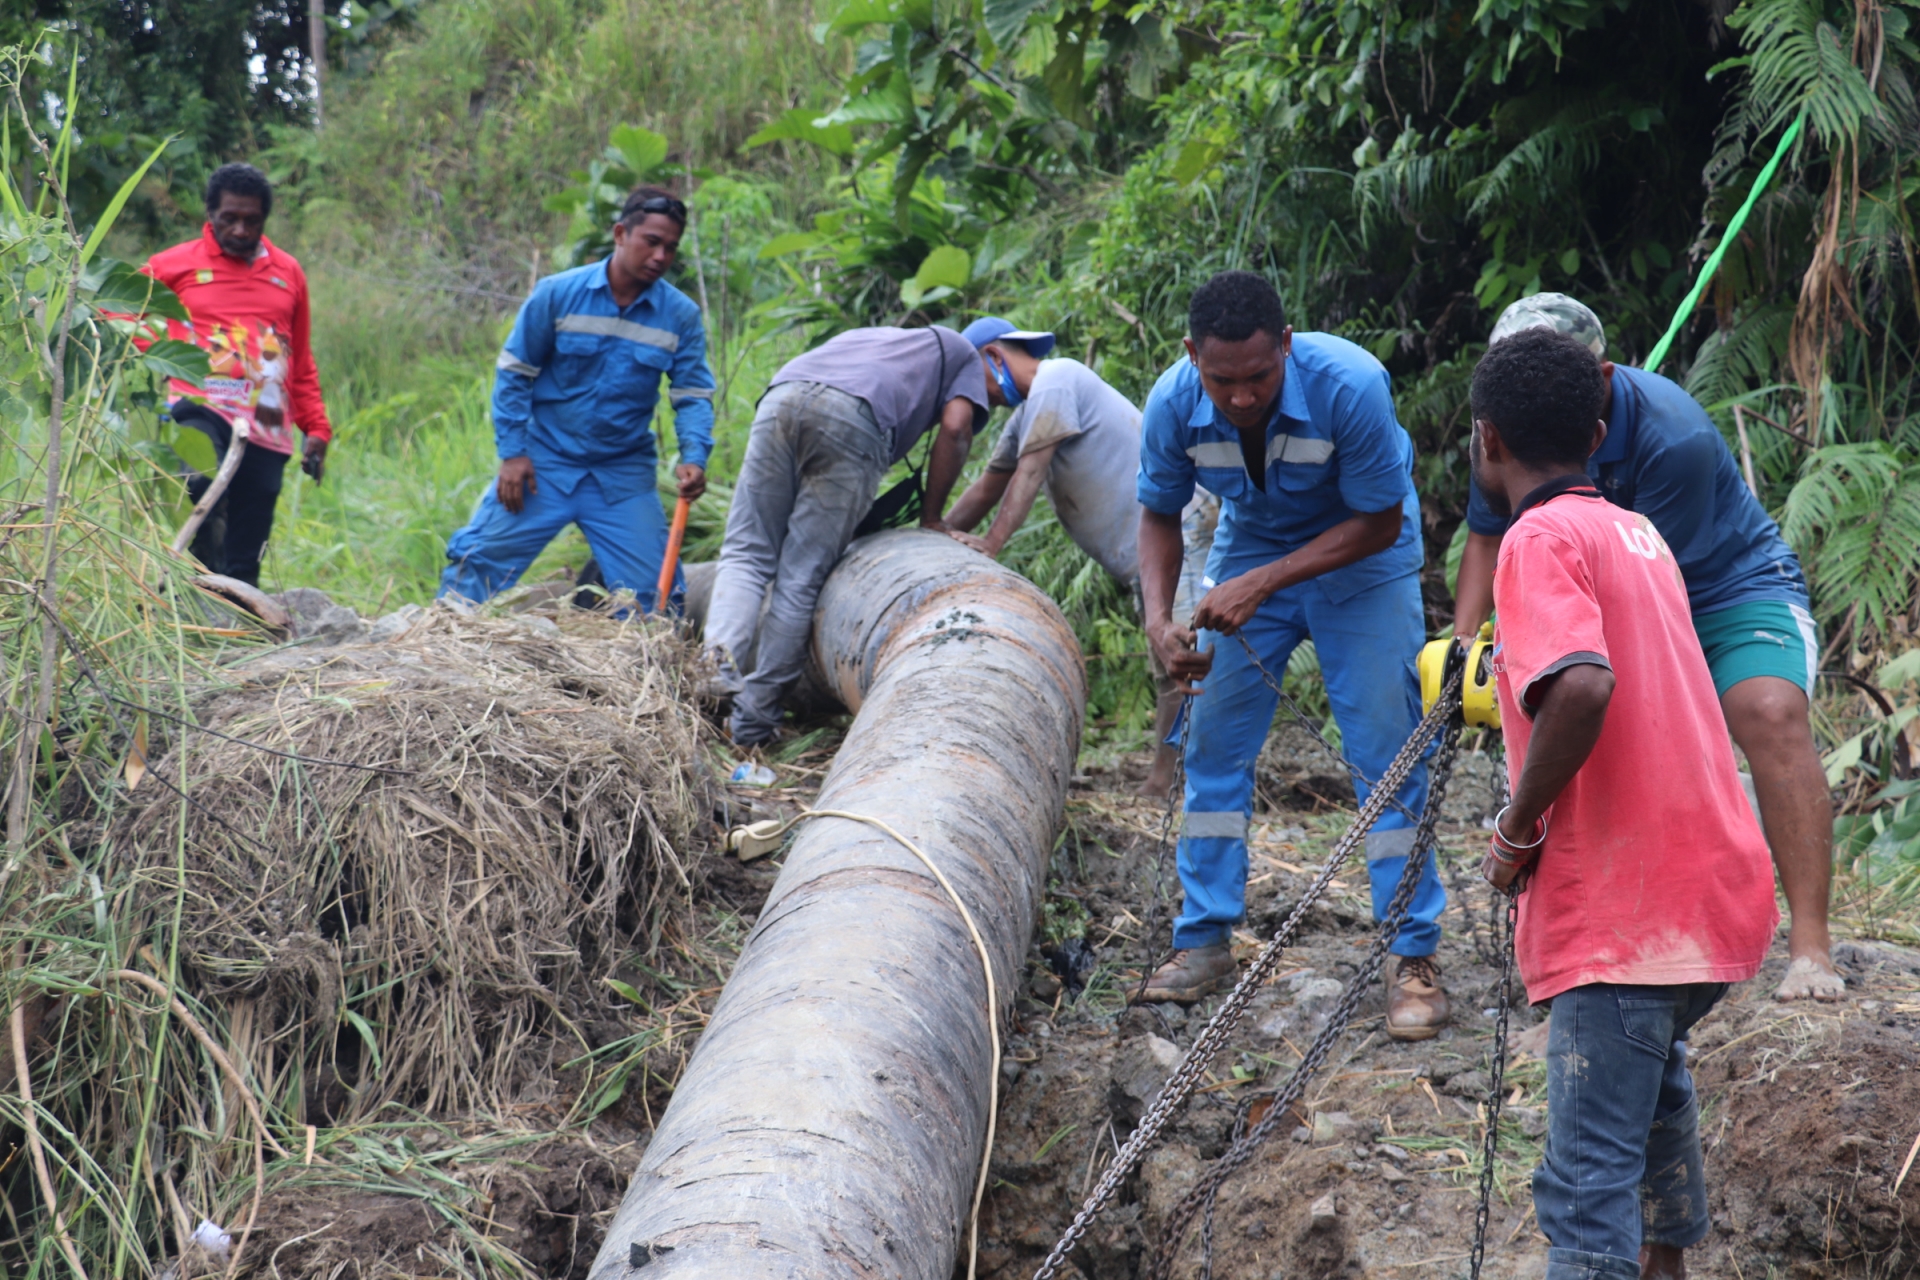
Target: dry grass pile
x=475, y=823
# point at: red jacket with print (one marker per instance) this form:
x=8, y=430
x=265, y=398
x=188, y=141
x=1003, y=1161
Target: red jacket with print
x=252, y=320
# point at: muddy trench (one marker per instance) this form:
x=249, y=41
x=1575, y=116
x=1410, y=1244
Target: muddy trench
x=1807, y=1110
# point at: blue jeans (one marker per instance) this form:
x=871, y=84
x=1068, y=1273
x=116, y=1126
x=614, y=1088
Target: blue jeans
x=1622, y=1164
x=1367, y=643
x=627, y=532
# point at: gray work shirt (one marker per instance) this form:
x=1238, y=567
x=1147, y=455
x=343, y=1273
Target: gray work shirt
x=1091, y=478
x=896, y=371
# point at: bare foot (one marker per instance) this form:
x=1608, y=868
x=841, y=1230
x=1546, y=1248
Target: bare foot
x=1811, y=978
x=1662, y=1262
x=1160, y=776
x=1532, y=1041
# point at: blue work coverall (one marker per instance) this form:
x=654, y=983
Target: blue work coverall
x=1334, y=450
x=575, y=390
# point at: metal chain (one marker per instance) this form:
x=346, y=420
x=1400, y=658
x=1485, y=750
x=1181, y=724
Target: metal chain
x=1174, y=792
x=1361, y=782
x=1202, y=1196
x=1213, y=1038
x=1490, y=1141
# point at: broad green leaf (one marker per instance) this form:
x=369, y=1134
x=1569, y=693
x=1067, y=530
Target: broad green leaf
x=195, y=449
x=1842, y=758
x=172, y=358
x=947, y=265
x=1569, y=261
x=804, y=124
x=790, y=242
x=120, y=287
x=861, y=13
x=643, y=149
x=1900, y=671
x=1195, y=158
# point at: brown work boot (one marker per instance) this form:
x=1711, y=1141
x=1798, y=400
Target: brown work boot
x=1191, y=975
x=1416, y=1004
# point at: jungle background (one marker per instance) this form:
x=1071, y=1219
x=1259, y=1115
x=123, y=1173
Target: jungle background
x=1401, y=170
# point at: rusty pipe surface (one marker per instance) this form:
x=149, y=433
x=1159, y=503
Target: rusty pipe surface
x=832, y=1119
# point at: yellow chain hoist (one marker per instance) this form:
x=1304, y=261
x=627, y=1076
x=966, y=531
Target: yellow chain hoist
x=1478, y=706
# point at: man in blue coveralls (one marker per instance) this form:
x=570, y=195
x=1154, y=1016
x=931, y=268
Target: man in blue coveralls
x=1664, y=458
x=573, y=403
x=1319, y=538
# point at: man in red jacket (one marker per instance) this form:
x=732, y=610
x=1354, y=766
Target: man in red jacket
x=248, y=300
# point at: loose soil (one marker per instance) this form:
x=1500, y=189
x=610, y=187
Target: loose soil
x=1808, y=1110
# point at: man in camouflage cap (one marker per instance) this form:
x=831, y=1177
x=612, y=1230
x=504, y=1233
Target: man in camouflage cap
x=1552, y=311
x=1664, y=458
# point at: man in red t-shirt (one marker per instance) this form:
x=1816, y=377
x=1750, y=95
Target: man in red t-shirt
x=1647, y=883
x=248, y=302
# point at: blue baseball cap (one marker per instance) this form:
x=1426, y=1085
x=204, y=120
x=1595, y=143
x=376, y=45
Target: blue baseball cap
x=994, y=329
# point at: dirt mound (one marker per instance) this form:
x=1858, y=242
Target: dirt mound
x=1808, y=1110
x=539, y=1210
x=1815, y=1113
x=411, y=862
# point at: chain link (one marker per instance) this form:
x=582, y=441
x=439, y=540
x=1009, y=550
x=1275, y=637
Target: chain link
x=1361, y=782
x=1174, y=792
x=1201, y=1198
x=1213, y=1038
x=1490, y=1141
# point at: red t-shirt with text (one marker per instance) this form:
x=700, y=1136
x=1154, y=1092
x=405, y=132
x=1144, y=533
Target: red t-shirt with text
x=1654, y=871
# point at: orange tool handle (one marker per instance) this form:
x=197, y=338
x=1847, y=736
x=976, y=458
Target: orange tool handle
x=675, y=536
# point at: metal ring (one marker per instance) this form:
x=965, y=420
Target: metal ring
x=1506, y=843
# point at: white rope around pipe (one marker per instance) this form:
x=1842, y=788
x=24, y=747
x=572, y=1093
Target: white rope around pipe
x=770, y=830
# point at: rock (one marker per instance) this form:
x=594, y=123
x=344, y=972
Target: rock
x=316, y=617
x=1532, y=1121
x=389, y=625
x=1324, y=1214
x=1392, y=1176
x=1470, y=1085
x=1046, y=986
x=1139, y=1069
x=1331, y=1126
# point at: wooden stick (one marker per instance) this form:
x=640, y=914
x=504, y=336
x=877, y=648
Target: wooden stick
x=1906, y=1168
x=206, y=1042
x=23, y=1079
x=1746, y=448
x=236, y=448
x=676, y=535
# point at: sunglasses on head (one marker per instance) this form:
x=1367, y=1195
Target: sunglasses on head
x=675, y=209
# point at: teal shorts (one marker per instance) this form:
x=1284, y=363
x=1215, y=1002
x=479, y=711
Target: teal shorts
x=1759, y=638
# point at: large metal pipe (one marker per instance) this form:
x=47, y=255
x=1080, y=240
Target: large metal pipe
x=832, y=1119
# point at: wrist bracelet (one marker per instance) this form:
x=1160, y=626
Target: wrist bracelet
x=1501, y=839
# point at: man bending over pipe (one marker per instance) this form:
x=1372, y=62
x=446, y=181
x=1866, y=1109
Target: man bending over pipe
x=1319, y=538
x=830, y=425
x=1078, y=439
x=1664, y=458
x=573, y=403
x=1646, y=884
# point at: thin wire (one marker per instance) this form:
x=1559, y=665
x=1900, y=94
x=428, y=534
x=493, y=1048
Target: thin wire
x=257, y=746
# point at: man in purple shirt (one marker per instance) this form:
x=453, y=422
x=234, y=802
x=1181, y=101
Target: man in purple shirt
x=827, y=431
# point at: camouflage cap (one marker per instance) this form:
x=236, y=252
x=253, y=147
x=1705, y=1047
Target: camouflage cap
x=1552, y=311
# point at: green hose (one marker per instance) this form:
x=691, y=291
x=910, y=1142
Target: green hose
x=1765, y=180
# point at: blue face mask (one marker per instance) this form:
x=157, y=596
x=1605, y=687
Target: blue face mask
x=1005, y=378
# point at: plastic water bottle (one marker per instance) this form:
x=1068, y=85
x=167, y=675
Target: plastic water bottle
x=749, y=774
